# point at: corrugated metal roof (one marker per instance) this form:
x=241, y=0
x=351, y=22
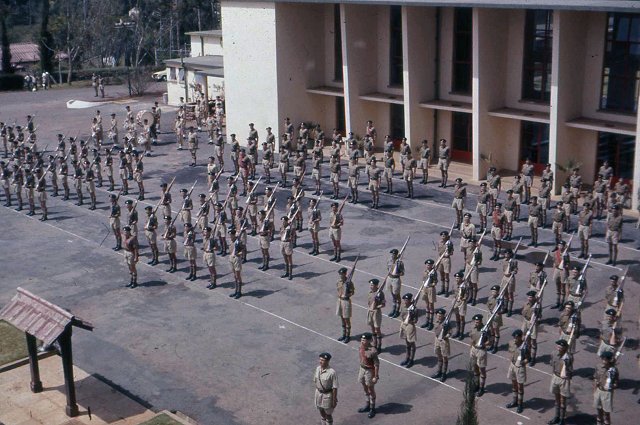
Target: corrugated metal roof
x=37, y=316
x=23, y=53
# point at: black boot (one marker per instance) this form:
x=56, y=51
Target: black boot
x=365, y=409
x=513, y=403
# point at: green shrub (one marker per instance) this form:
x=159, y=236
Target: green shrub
x=11, y=82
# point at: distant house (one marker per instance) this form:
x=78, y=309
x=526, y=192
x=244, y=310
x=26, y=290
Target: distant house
x=26, y=55
x=203, y=70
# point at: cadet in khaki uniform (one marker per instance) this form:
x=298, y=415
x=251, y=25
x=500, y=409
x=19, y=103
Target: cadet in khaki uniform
x=345, y=290
x=585, y=221
x=467, y=231
x=534, y=221
x=368, y=373
x=30, y=185
x=389, y=165
x=132, y=216
x=209, y=255
x=264, y=237
x=561, y=265
x=42, y=194
x=614, y=294
x=498, y=221
x=425, y=157
x=335, y=226
x=314, y=219
x=444, y=156
x=575, y=183
x=509, y=272
x=114, y=221
x=408, y=320
x=610, y=334
x=190, y=250
x=395, y=269
x=605, y=381
x=459, y=196
x=375, y=304
x=89, y=178
x=460, y=304
x=429, y=281
x=531, y=315
x=131, y=255
x=445, y=250
x=170, y=245
x=441, y=345
x=569, y=324
x=235, y=261
x=374, y=182
x=495, y=186
x=517, y=372
x=510, y=207
x=562, y=368
x=614, y=231
x=326, y=396
x=286, y=246
x=150, y=232
x=558, y=219
x=187, y=206
x=472, y=262
x=494, y=329
x=600, y=187
x=484, y=201
x=527, y=173
x=409, y=174
x=478, y=354
x=354, y=175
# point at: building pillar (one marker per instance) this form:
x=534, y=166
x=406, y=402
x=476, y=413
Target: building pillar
x=32, y=349
x=419, y=73
x=635, y=201
x=67, y=369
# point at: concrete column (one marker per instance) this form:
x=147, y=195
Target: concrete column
x=569, y=33
x=250, y=67
x=36, y=383
x=359, y=58
x=66, y=353
x=489, y=76
x=419, y=50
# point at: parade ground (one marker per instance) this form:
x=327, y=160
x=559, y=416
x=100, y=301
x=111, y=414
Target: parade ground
x=176, y=345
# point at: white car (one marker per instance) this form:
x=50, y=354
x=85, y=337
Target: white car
x=159, y=76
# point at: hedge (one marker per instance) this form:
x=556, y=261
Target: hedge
x=11, y=82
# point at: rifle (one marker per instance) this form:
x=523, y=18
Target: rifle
x=618, y=352
x=162, y=197
x=381, y=288
x=344, y=201
x=619, y=297
x=119, y=193
x=255, y=186
x=581, y=278
x=430, y=277
x=350, y=275
x=399, y=257
x=566, y=251
x=475, y=251
x=182, y=207
x=446, y=321
x=266, y=218
x=485, y=329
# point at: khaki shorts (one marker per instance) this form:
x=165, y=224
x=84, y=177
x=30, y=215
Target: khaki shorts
x=478, y=357
x=603, y=400
x=286, y=248
x=42, y=197
x=395, y=285
x=209, y=259
x=236, y=263
x=461, y=309
x=408, y=332
x=525, y=327
x=604, y=348
x=297, y=170
x=441, y=347
x=282, y=167
x=443, y=164
x=509, y=216
x=170, y=246
x=152, y=236
x=557, y=227
x=343, y=308
x=365, y=376
x=567, y=209
x=429, y=294
x=583, y=232
x=424, y=163
x=129, y=258
x=533, y=221
x=185, y=215
x=458, y=204
x=265, y=242
x=474, y=274
x=334, y=178
x=324, y=402
x=388, y=173
x=518, y=374
x=336, y=234
x=353, y=182
x=114, y=222
x=374, y=318
x=518, y=199
x=190, y=252
x=496, y=233
x=373, y=185
x=315, y=174
x=445, y=265
x=493, y=191
x=528, y=181
x=137, y=176
x=560, y=386
x=218, y=150
x=481, y=209
x=612, y=236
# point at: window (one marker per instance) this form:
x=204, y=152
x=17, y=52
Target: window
x=620, y=70
x=619, y=150
x=337, y=44
x=461, y=140
x=395, y=45
x=538, y=41
x=534, y=143
x=396, y=121
x=340, y=114
x=462, y=50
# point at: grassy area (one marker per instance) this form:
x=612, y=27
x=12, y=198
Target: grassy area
x=161, y=420
x=13, y=344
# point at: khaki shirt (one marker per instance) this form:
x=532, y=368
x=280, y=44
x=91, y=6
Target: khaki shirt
x=606, y=378
x=614, y=224
x=475, y=335
x=344, y=291
x=558, y=362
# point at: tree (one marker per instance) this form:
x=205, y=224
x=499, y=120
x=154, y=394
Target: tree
x=6, y=47
x=45, y=42
x=468, y=415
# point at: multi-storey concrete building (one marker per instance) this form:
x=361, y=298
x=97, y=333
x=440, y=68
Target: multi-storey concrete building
x=502, y=81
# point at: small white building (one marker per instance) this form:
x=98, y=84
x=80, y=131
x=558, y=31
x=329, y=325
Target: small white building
x=202, y=71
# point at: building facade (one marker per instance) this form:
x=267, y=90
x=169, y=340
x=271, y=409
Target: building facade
x=502, y=81
x=203, y=70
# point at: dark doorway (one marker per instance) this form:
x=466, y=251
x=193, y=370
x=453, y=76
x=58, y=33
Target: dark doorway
x=396, y=121
x=461, y=139
x=340, y=115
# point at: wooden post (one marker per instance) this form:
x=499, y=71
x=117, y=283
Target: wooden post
x=67, y=369
x=36, y=384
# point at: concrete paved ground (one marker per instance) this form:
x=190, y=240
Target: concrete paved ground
x=249, y=361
